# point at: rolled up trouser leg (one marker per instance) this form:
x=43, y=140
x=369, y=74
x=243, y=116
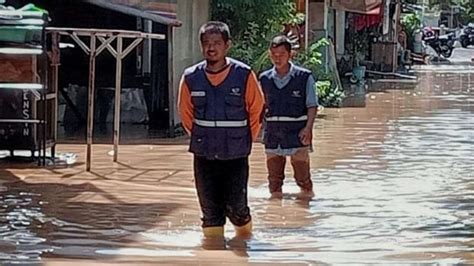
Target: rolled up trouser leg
x=300, y=163
x=276, y=172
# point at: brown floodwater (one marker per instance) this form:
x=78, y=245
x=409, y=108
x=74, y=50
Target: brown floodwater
x=394, y=183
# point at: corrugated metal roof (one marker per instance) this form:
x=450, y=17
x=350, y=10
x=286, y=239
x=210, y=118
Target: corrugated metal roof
x=163, y=12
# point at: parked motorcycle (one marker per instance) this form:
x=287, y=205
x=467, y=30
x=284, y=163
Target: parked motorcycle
x=467, y=35
x=443, y=45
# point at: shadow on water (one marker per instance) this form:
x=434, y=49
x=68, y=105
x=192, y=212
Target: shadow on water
x=48, y=220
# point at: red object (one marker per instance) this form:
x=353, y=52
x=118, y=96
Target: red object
x=364, y=21
x=375, y=11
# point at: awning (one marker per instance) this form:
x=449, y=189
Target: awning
x=368, y=7
x=123, y=7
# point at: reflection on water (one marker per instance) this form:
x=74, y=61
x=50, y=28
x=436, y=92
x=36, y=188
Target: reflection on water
x=394, y=183
x=36, y=225
x=19, y=216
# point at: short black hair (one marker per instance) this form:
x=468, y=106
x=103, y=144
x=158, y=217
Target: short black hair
x=281, y=40
x=215, y=27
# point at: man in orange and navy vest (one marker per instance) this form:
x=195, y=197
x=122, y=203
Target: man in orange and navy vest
x=220, y=104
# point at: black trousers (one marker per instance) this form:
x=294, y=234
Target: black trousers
x=222, y=190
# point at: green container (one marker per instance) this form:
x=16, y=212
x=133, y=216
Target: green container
x=21, y=34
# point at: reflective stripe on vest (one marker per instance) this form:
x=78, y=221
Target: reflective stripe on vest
x=286, y=118
x=207, y=123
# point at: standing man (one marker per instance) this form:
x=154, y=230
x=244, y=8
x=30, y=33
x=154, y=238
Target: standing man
x=220, y=103
x=291, y=106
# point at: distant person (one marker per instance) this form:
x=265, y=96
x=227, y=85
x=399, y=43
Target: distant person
x=291, y=107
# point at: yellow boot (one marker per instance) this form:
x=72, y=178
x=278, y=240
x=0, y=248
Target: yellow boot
x=213, y=231
x=244, y=231
x=213, y=238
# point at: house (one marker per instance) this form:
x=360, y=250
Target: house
x=155, y=66
x=336, y=19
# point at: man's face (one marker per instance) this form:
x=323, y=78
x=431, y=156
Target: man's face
x=213, y=47
x=279, y=56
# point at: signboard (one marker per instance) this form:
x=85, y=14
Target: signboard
x=17, y=105
x=150, y=5
x=358, y=6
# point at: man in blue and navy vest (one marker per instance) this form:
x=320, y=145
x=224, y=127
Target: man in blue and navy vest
x=291, y=106
x=220, y=104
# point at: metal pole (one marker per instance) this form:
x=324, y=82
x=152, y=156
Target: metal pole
x=306, y=24
x=451, y=19
x=118, y=90
x=55, y=77
x=44, y=92
x=42, y=117
x=147, y=48
x=423, y=13
x=170, y=83
x=90, y=101
x=395, y=36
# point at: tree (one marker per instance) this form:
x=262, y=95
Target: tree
x=240, y=14
x=252, y=24
x=467, y=11
x=410, y=23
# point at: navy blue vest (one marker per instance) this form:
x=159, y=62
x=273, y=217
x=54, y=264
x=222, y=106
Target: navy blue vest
x=290, y=102
x=220, y=130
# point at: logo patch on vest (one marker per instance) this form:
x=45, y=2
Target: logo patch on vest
x=296, y=94
x=235, y=92
x=198, y=93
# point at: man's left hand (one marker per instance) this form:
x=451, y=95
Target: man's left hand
x=306, y=135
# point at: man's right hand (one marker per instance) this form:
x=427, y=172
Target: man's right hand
x=306, y=136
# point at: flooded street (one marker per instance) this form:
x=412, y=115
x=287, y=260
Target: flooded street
x=394, y=183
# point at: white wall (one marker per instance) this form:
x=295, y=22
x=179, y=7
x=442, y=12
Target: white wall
x=317, y=15
x=186, y=47
x=340, y=31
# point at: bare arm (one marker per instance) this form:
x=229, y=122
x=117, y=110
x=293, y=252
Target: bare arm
x=306, y=134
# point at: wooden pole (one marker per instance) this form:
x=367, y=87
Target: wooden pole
x=90, y=101
x=118, y=90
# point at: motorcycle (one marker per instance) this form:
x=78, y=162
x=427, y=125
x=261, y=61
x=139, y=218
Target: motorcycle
x=443, y=45
x=467, y=35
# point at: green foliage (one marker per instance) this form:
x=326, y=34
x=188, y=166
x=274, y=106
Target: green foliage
x=467, y=11
x=410, y=23
x=361, y=41
x=359, y=46
x=312, y=58
x=267, y=15
x=252, y=24
x=329, y=95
